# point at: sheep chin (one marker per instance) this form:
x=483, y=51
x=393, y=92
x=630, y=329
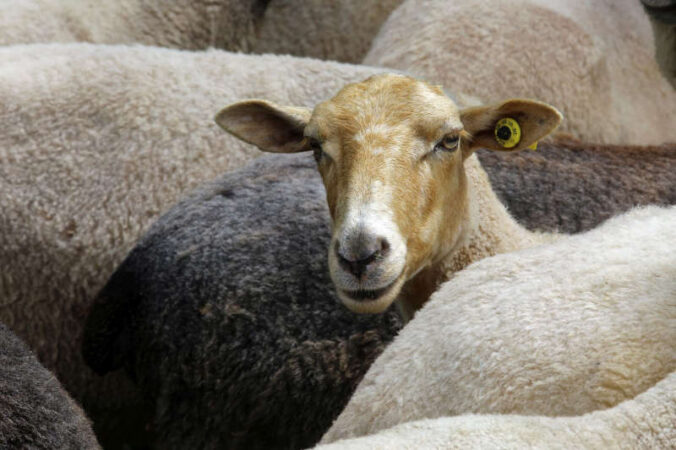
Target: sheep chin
x=373, y=305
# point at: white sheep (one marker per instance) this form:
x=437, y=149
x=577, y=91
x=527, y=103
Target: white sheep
x=647, y=421
x=594, y=60
x=566, y=328
x=260, y=26
x=96, y=142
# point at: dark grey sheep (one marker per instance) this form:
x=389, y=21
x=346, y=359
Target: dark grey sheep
x=35, y=411
x=225, y=315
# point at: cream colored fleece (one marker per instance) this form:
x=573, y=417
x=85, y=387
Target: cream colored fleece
x=186, y=24
x=564, y=328
x=96, y=142
x=324, y=29
x=646, y=422
x=594, y=61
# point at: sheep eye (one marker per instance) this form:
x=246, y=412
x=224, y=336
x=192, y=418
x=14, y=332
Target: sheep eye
x=448, y=143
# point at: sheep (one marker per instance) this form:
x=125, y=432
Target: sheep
x=648, y=421
x=269, y=192
x=394, y=240
x=259, y=26
x=225, y=315
x=566, y=328
x=662, y=15
x=35, y=411
x=594, y=60
x=97, y=141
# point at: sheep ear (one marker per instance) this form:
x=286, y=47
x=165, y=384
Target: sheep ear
x=508, y=126
x=271, y=128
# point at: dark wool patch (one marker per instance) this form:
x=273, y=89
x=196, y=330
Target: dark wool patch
x=225, y=315
x=35, y=411
x=569, y=186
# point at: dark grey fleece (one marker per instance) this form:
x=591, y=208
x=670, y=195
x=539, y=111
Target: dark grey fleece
x=225, y=315
x=35, y=411
x=570, y=186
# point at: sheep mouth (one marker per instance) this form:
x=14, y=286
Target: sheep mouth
x=367, y=295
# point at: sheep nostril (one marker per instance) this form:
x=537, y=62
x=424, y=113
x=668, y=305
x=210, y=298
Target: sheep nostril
x=357, y=250
x=356, y=267
x=384, y=247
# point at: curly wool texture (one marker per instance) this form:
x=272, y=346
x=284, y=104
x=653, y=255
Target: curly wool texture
x=257, y=26
x=594, y=61
x=225, y=315
x=648, y=421
x=183, y=24
x=96, y=143
x=566, y=328
x=35, y=411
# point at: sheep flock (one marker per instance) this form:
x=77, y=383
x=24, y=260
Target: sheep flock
x=473, y=244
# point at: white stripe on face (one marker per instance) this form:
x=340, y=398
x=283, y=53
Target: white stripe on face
x=377, y=130
x=370, y=214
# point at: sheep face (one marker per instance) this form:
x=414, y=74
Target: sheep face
x=390, y=151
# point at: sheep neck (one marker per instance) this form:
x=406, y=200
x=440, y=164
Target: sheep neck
x=487, y=229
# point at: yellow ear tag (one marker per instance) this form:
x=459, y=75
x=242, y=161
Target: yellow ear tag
x=507, y=132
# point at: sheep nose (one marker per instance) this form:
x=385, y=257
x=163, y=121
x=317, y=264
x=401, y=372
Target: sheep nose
x=356, y=254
